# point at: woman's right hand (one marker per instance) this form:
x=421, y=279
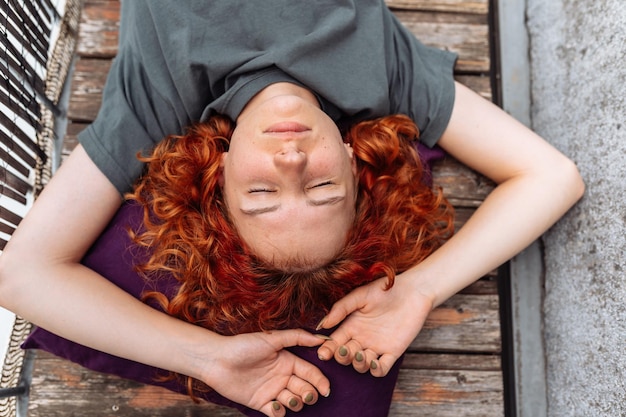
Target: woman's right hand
x=254, y=369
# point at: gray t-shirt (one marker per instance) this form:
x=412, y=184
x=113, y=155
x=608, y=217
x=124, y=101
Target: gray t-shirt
x=179, y=62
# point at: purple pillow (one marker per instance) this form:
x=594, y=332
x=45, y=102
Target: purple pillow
x=113, y=256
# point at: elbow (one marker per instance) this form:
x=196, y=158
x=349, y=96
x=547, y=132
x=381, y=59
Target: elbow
x=571, y=181
x=577, y=183
x=11, y=268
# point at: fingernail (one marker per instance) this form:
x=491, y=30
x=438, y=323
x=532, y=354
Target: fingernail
x=320, y=324
x=293, y=402
x=321, y=357
x=323, y=336
x=309, y=398
x=359, y=357
x=276, y=405
x=343, y=351
x=327, y=394
x=373, y=365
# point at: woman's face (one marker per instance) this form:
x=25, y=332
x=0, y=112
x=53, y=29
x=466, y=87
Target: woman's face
x=289, y=180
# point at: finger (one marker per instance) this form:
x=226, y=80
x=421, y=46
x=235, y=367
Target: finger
x=327, y=350
x=295, y=337
x=381, y=366
x=345, y=353
x=273, y=409
x=301, y=388
x=338, y=338
x=289, y=400
x=342, y=308
x=363, y=359
x=311, y=374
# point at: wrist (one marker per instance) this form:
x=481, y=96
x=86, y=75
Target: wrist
x=417, y=285
x=195, y=352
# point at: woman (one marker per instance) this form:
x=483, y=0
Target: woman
x=333, y=50
x=196, y=267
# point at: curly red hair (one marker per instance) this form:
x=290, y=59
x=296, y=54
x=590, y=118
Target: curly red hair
x=224, y=287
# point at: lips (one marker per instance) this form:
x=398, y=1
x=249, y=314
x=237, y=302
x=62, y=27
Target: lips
x=287, y=127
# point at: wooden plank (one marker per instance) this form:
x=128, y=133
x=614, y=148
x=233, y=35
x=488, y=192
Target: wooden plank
x=455, y=6
x=462, y=186
x=98, y=29
x=448, y=393
x=468, y=38
x=464, y=323
x=86, y=89
x=447, y=361
x=61, y=388
x=479, y=83
x=71, y=137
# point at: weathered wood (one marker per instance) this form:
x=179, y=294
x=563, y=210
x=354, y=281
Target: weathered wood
x=479, y=83
x=86, y=89
x=448, y=393
x=462, y=186
x=99, y=27
x=60, y=389
x=71, y=137
x=470, y=40
x=464, y=323
x=488, y=285
x=451, y=362
x=455, y=6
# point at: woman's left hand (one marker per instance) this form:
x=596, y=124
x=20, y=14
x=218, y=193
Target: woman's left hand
x=377, y=325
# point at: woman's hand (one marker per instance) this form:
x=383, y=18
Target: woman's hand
x=377, y=325
x=254, y=369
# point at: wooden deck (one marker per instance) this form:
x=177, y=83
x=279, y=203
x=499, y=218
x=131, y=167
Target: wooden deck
x=453, y=367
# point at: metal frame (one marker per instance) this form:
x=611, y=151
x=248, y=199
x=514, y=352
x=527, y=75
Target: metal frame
x=525, y=284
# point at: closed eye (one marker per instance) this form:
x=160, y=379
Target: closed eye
x=261, y=190
x=321, y=184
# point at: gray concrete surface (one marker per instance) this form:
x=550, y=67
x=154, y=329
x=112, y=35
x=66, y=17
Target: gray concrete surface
x=578, y=74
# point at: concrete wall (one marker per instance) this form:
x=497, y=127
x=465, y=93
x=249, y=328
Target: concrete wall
x=578, y=76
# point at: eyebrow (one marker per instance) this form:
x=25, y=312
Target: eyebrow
x=313, y=203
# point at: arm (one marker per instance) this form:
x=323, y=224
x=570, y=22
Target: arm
x=536, y=186
x=42, y=280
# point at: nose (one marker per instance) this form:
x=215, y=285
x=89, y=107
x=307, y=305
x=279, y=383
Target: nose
x=291, y=159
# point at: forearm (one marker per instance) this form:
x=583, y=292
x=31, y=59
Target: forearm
x=41, y=277
x=76, y=303
x=516, y=213
x=536, y=186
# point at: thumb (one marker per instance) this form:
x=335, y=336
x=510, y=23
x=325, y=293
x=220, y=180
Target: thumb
x=343, y=308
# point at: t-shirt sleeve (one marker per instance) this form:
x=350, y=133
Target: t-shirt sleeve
x=421, y=83
x=132, y=119
x=134, y=114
